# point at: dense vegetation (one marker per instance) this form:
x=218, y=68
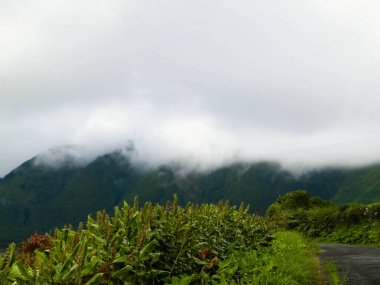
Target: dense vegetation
x=69, y=192
x=317, y=218
x=206, y=244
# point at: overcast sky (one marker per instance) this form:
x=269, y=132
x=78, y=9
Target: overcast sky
x=205, y=81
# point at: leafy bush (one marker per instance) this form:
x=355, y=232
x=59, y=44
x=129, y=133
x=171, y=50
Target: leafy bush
x=291, y=201
x=206, y=244
x=148, y=245
x=315, y=218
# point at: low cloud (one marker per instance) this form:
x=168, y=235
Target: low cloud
x=206, y=83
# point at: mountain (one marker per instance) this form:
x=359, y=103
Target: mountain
x=39, y=196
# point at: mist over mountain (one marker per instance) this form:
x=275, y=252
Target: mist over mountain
x=45, y=193
x=208, y=83
x=210, y=100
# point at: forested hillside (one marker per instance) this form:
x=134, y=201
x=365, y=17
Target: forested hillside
x=34, y=197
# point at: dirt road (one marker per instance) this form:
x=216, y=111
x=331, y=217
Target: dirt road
x=357, y=264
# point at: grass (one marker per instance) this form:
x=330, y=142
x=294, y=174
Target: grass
x=293, y=256
x=333, y=274
x=289, y=260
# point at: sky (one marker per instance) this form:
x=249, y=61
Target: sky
x=206, y=82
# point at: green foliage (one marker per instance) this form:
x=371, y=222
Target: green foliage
x=286, y=261
x=361, y=185
x=6, y=263
x=295, y=200
x=299, y=199
x=290, y=246
x=151, y=245
x=70, y=192
x=206, y=244
x=352, y=223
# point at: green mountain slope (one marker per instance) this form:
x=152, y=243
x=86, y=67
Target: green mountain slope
x=361, y=185
x=34, y=197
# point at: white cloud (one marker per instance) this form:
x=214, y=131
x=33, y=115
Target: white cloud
x=203, y=81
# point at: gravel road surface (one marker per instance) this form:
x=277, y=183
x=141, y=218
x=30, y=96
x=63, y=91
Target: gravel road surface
x=358, y=264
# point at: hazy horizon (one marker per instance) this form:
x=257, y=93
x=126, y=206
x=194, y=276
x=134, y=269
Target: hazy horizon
x=203, y=82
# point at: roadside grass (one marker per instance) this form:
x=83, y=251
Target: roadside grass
x=319, y=272
x=326, y=271
x=292, y=259
x=333, y=274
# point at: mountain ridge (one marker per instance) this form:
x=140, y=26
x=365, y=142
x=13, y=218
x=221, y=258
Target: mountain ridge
x=37, y=197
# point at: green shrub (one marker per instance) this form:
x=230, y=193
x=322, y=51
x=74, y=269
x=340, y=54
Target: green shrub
x=148, y=245
x=352, y=223
x=293, y=200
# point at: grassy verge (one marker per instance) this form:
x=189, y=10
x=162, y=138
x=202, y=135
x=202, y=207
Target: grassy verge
x=333, y=274
x=294, y=256
x=290, y=260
